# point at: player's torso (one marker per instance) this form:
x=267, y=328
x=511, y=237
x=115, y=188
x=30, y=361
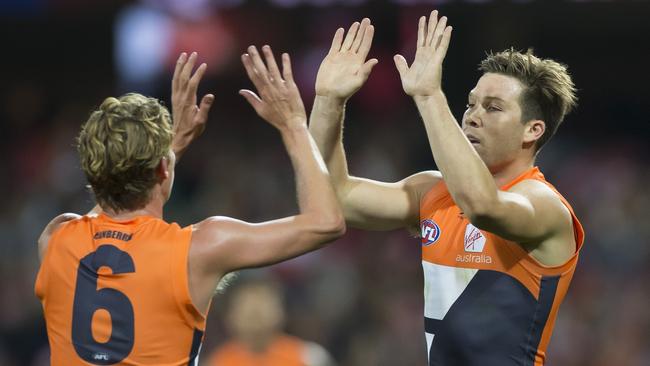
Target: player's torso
x=117, y=293
x=486, y=301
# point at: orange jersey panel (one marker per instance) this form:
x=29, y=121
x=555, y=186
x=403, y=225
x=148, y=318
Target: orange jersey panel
x=283, y=351
x=116, y=293
x=487, y=302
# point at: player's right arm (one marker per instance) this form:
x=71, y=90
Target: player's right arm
x=366, y=204
x=220, y=244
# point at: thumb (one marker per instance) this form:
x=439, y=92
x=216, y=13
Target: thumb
x=367, y=67
x=252, y=99
x=400, y=63
x=204, y=108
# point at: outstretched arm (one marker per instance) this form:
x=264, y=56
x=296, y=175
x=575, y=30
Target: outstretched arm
x=226, y=244
x=366, y=203
x=529, y=212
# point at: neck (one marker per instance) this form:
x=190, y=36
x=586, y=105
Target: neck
x=510, y=171
x=153, y=208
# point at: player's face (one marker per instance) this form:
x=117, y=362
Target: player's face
x=492, y=120
x=255, y=312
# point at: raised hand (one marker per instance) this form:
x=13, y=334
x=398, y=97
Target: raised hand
x=423, y=77
x=279, y=101
x=345, y=69
x=189, y=119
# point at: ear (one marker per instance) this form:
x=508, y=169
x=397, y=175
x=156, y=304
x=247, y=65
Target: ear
x=162, y=170
x=533, y=131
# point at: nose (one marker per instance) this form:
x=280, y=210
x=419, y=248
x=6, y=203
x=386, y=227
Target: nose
x=472, y=118
x=471, y=122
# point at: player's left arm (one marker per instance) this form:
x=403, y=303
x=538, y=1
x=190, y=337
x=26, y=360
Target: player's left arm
x=51, y=227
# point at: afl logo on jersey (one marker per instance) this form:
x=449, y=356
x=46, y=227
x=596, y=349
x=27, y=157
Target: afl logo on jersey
x=430, y=232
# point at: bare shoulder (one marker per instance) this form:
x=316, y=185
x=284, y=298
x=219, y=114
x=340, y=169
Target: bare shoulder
x=215, y=228
x=549, y=209
x=539, y=191
x=210, y=234
x=424, y=177
x=51, y=227
x=422, y=182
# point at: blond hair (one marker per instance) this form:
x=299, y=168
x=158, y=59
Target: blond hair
x=549, y=92
x=120, y=147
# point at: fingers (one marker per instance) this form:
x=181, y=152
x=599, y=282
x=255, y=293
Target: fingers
x=434, y=30
x=252, y=99
x=364, y=49
x=187, y=70
x=250, y=69
x=257, y=71
x=367, y=67
x=270, y=62
x=444, y=42
x=421, y=28
x=177, y=70
x=287, y=73
x=204, y=108
x=258, y=64
x=337, y=40
x=401, y=65
x=433, y=20
x=349, y=38
x=360, y=34
x=196, y=78
x=437, y=35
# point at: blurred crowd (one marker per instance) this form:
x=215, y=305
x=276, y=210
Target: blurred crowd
x=360, y=297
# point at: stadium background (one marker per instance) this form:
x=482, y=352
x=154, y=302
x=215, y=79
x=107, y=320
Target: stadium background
x=361, y=297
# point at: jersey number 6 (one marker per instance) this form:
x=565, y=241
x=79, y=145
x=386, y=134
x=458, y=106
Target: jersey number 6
x=87, y=300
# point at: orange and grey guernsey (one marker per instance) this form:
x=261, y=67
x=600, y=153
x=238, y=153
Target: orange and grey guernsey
x=116, y=293
x=284, y=350
x=487, y=302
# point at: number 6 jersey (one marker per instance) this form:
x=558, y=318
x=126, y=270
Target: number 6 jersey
x=116, y=292
x=486, y=301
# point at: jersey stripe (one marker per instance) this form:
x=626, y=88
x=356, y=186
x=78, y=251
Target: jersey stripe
x=547, y=293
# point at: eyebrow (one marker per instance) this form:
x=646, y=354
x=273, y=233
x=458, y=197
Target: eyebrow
x=489, y=98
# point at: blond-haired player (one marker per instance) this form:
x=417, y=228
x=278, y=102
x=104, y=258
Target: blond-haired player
x=499, y=243
x=121, y=285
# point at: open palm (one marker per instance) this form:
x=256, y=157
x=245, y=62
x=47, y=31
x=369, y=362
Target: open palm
x=423, y=77
x=345, y=69
x=189, y=118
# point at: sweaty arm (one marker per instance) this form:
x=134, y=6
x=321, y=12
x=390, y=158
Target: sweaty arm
x=220, y=244
x=530, y=213
x=366, y=204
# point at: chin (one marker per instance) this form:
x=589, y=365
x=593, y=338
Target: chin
x=480, y=151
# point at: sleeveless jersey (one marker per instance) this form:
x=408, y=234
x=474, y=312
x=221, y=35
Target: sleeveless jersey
x=284, y=350
x=117, y=293
x=487, y=302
